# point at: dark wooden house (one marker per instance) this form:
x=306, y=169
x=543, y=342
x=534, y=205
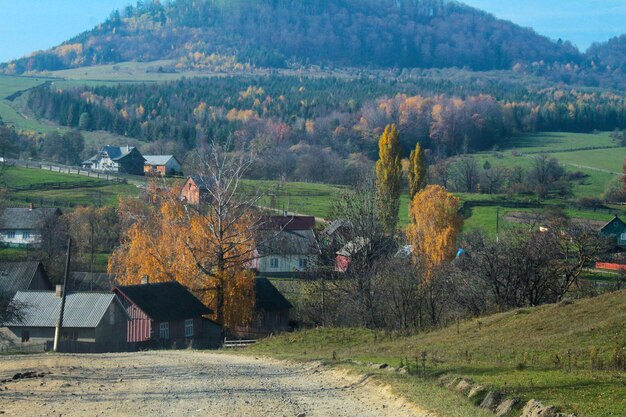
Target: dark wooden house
x=615, y=229
x=166, y=315
x=271, y=312
x=118, y=159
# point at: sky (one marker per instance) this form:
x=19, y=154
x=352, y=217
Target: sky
x=30, y=25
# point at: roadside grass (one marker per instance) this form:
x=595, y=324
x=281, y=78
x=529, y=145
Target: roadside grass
x=522, y=352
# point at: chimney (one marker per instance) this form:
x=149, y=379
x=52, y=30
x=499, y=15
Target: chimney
x=31, y=206
x=145, y=280
x=58, y=292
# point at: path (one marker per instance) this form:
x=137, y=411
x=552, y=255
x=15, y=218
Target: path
x=187, y=383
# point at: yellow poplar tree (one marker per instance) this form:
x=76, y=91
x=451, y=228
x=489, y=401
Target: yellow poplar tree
x=417, y=171
x=389, y=177
x=434, y=227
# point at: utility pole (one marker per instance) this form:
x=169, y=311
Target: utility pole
x=497, y=224
x=57, y=332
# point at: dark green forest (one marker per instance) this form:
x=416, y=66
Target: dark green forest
x=284, y=118
x=278, y=33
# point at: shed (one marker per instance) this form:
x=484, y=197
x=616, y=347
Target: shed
x=167, y=315
x=195, y=191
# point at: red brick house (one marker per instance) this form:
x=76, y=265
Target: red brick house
x=166, y=315
x=195, y=191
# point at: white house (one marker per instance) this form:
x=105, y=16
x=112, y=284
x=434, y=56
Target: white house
x=22, y=226
x=122, y=159
x=162, y=165
x=286, y=252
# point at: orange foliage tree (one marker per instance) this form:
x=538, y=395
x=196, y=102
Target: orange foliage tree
x=205, y=248
x=434, y=227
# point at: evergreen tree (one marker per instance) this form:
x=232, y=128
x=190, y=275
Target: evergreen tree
x=417, y=171
x=389, y=177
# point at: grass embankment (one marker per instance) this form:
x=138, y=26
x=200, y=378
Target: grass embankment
x=522, y=352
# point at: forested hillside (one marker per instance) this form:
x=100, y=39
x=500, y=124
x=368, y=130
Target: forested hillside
x=201, y=34
x=300, y=125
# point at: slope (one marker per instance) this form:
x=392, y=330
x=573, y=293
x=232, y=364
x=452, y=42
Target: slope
x=276, y=33
x=566, y=354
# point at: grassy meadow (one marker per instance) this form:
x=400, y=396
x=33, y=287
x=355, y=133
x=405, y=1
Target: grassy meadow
x=522, y=352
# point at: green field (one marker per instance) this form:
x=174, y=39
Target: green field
x=10, y=85
x=68, y=190
x=522, y=352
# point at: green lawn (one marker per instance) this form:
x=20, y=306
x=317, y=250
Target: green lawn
x=522, y=352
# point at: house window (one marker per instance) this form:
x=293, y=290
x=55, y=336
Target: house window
x=189, y=328
x=25, y=235
x=623, y=237
x=274, y=263
x=11, y=235
x=25, y=336
x=164, y=330
x=302, y=263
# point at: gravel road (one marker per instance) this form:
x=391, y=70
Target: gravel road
x=187, y=383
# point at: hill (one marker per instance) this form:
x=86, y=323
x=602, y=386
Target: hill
x=522, y=352
x=276, y=33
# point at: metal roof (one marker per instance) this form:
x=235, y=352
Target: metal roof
x=287, y=242
x=18, y=276
x=26, y=218
x=158, y=159
x=41, y=309
x=164, y=301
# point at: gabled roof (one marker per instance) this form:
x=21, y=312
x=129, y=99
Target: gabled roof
x=289, y=222
x=115, y=153
x=164, y=301
x=87, y=281
x=159, y=159
x=287, y=242
x=26, y=218
x=615, y=225
x=18, y=276
x=268, y=298
x=353, y=247
x=200, y=182
x=41, y=309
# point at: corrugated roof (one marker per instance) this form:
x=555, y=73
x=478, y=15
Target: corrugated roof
x=17, y=276
x=87, y=281
x=287, y=242
x=41, y=309
x=165, y=301
x=26, y=218
x=289, y=222
x=158, y=159
x=268, y=297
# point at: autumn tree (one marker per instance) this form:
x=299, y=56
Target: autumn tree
x=417, y=171
x=434, y=226
x=206, y=248
x=389, y=177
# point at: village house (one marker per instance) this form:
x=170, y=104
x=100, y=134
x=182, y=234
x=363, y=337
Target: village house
x=615, y=229
x=92, y=322
x=286, y=246
x=23, y=276
x=162, y=165
x=195, y=191
x=166, y=315
x=271, y=312
x=23, y=226
x=117, y=159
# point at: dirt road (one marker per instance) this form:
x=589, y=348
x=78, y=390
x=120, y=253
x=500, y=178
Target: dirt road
x=187, y=383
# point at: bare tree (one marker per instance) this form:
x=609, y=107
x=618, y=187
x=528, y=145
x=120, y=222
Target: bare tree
x=466, y=174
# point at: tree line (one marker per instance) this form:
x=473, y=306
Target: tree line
x=288, y=121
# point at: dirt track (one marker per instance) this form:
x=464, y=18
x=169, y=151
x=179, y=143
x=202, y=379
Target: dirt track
x=186, y=383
